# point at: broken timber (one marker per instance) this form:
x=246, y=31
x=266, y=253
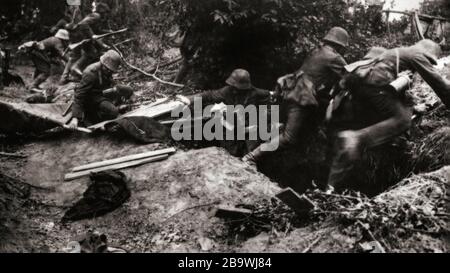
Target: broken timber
x=124, y=159
x=232, y=213
x=73, y=176
x=12, y=155
x=156, y=110
x=302, y=205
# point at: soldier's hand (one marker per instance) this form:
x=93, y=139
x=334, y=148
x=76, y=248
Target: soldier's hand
x=184, y=100
x=73, y=125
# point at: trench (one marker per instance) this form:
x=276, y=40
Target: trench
x=306, y=165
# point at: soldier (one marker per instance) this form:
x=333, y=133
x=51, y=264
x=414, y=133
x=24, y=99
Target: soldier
x=384, y=109
x=89, y=52
x=46, y=52
x=72, y=14
x=91, y=104
x=239, y=91
x=306, y=94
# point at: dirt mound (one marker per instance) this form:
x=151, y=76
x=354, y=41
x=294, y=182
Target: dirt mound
x=171, y=205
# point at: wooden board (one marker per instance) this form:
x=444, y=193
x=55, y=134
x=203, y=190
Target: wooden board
x=124, y=159
x=300, y=204
x=232, y=213
x=126, y=165
x=150, y=111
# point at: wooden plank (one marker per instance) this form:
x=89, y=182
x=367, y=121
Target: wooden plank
x=12, y=155
x=124, y=159
x=302, y=205
x=151, y=111
x=424, y=16
x=232, y=213
x=418, y=26
x=79, y=129
x=126, y=165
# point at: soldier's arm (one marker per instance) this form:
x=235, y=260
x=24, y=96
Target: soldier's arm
x=82, y=95
x=102, y=44
x=428, y=72
x=211, y=97
x=337, y=66
x=60, y=50
x=264, y=97
x=338, y=69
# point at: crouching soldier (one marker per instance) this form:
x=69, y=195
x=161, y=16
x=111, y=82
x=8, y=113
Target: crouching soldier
x=238, y=91
x=92, y=102
x=385, y=112
x=45, y=53
x=305, y=95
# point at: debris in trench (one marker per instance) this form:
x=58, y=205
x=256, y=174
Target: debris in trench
x=414, y=206
x=91, y=242
x=12, y=155
x=302, y=205
x=235, y=214
x=372, y=247
x=108, y=192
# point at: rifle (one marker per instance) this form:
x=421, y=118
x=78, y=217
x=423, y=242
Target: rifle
x=96, y=37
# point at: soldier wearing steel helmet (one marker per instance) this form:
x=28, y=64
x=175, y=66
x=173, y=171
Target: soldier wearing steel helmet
x=239, y=91
x=91, y=104
x=45, y=53
x=305, y=95
x=88, y=53
x=385, y=114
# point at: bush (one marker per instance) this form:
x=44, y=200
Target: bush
x=268, y=37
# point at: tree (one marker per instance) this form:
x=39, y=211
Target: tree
x=436, y=7
x=267, y=37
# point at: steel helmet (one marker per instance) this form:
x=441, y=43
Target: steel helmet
x=62, y=34
x=429, y=48
x=240, y=79
x=339, y=36
x=111, y=60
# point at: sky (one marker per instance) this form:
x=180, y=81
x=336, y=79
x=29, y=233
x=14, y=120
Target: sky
x=402, y=5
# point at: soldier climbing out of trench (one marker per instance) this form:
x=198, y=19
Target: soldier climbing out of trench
x=72, y=14
x=238, y=92
x=305, y=95
x=44, y=54
x=93, y=103
x=88, y=52
x=384, y=110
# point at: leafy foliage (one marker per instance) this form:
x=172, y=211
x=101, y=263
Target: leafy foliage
x=268, y=37
x=436, y=7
